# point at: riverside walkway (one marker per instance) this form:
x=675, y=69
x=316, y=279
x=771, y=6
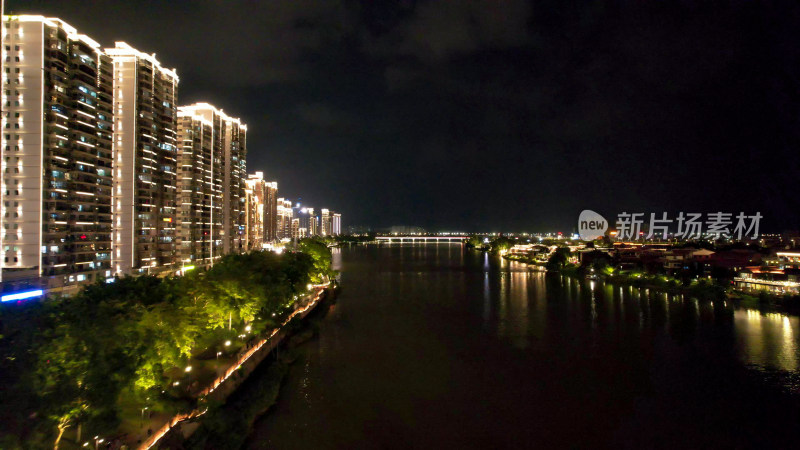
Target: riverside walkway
x=226, y=384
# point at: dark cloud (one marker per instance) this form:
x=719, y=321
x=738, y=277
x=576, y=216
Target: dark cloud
x=240, y=43
x=491, y=114
x=437, y=31
x=323, y=116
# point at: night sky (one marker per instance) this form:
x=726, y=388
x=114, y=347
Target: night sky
x=492, y=115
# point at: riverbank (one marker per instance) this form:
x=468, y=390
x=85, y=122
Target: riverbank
x=217, y=392
x=228, y=425
x=700, y=288
x=246, y=392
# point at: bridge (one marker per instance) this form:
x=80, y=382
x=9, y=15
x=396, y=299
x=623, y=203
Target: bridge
x=420, y=239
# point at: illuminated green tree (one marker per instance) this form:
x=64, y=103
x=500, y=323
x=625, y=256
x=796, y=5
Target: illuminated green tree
x=114, y=344
x=501, y=243
x=62, y=374
x=318, y=250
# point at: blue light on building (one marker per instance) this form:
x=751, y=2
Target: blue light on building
x=21, y=295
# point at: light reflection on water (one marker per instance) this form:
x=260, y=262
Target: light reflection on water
x=435, y=346
x=767, y=340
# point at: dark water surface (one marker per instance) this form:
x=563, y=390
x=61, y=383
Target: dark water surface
x=436, y=346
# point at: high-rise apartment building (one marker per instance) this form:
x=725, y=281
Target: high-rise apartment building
x=145, y=162
x=200, y=181
x=306, y=216
x=230, y=136
x=254, y=229
x=284, y=222
x=336, y=224
x=271, y=212
x=313, y=223
x=325, y=222
x=56, y=151
x=255, y=192
x=102, y=174
x=262, y=202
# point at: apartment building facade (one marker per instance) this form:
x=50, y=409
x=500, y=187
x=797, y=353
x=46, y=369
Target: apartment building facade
x=262, y=204
x=145, y=162
x=284, y=215
x=200, y=182
x=57, y=125
x=229, y=135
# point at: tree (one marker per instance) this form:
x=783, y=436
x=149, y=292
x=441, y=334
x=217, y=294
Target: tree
x=474, y=242
x=321, y=255
x=558, y=259
x=501, y=244
x=112, y=345
x=61, y=378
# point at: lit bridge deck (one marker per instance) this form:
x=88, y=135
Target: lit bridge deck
x=420, y=239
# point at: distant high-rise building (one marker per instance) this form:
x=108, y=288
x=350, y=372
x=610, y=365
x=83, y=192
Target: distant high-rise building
x=284, y=222
x=308, y=222
x=326, y=223
x=254, y=229
x=271, y=212
x=313, y=223
x=145, y=162
x=336, y=224
x=56, y=155
x=230, y=135
x=200, y=180
x=263, y=196
x=295, y=229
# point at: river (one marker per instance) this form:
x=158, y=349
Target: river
x=438, y=346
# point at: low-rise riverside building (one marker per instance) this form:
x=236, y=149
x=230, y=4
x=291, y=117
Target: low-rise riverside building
x=770, y=279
